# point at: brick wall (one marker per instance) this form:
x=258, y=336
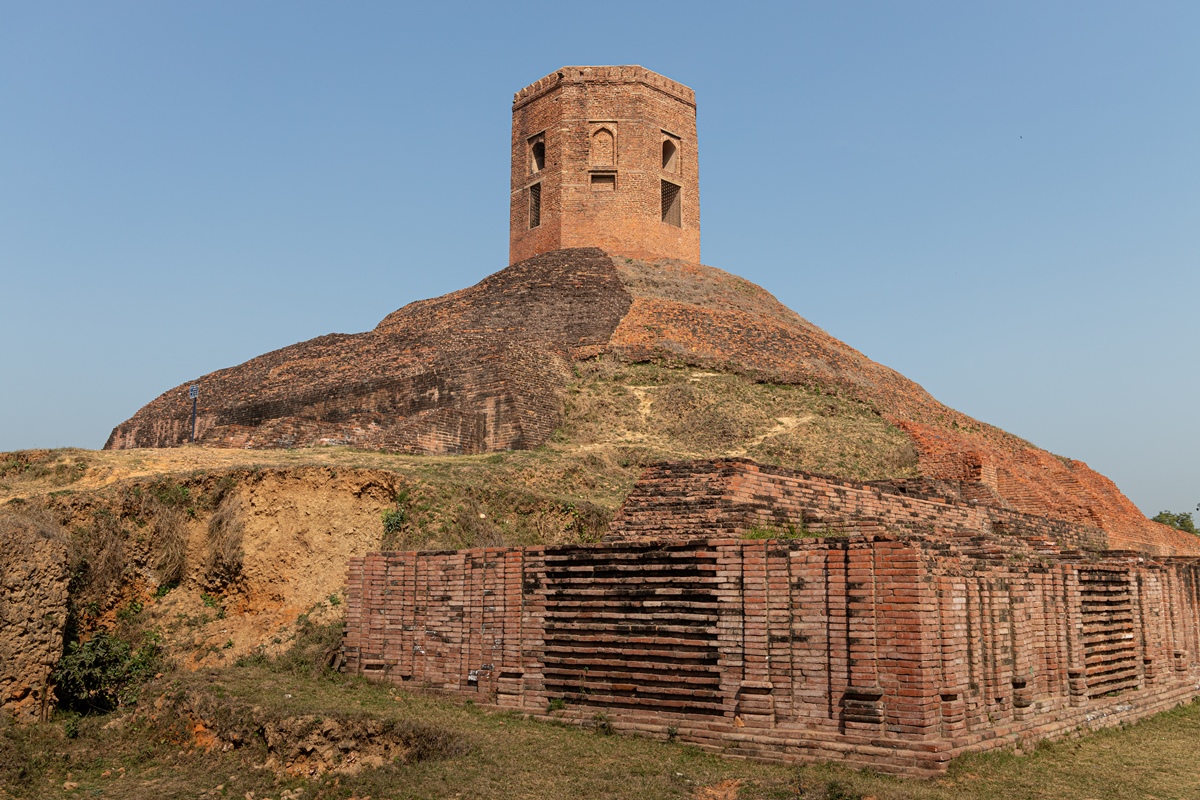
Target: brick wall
x=897, y=654
x=603, y=130
x=732, y=496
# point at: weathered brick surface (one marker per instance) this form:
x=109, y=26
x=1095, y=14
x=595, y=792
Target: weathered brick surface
x=603, y=130
x=473, y=371
x=733, y=496
x=1034, y=481
x=883, y=649
x=713, y=319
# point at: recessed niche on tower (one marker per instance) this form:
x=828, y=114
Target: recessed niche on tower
x=537, y=155
x=603, y=150
x=535, y=205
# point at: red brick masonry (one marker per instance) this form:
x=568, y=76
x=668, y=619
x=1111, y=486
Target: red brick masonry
x=925, y=628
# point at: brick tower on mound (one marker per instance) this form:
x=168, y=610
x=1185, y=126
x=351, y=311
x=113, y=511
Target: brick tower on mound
x=606, y=251
x=605, y=157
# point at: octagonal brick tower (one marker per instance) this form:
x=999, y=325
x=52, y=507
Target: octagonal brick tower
x=605, y=157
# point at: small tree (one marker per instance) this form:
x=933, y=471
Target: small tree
x=1181, y=521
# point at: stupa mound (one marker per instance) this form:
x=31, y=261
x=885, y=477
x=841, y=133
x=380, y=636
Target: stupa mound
x=483, y=369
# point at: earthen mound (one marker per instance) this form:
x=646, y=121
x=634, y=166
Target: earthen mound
x=483, y=368
x=305, y=744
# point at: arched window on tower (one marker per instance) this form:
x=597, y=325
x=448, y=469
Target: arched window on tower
x=670, y=156
x=537, y=156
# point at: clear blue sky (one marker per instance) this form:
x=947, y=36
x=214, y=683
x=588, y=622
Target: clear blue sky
x=1000, y=202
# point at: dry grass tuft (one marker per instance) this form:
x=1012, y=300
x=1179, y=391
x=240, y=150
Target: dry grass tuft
x=98, y=561
x=223, y=545
x=17, y=527
x=170, y=540
x=646, y=412
x=725, y=790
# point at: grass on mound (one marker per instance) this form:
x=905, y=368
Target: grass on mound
x=617, y=418
x=659, y=411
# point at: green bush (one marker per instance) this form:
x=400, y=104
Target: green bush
x=105, y=672
x=393, y=521
x=172, y=494
x=130, y=611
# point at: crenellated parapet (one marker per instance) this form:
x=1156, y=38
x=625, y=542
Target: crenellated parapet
x=614, y=74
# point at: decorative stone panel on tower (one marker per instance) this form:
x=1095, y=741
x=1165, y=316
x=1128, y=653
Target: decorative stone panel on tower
x=605, y=157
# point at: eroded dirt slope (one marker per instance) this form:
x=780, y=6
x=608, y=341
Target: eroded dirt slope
x=222, y=554
x=33, y=601
x=221, y=562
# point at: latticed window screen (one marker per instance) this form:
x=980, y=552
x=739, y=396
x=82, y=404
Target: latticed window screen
x=670, y=204
x=635, y=627
x=535, y=205
x=1109, y=633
